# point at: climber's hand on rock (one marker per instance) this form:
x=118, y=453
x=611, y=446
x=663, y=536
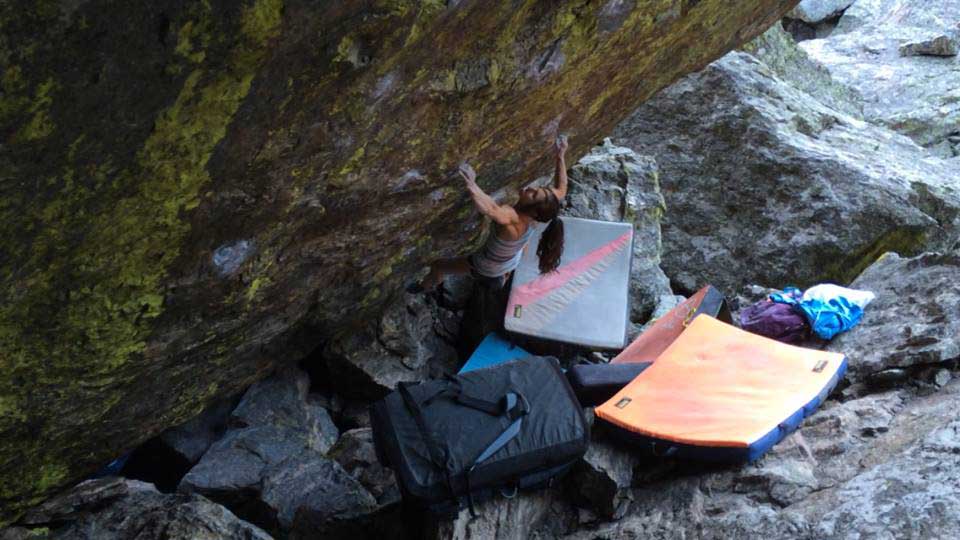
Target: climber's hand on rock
x=561, y=144
x=467, y=173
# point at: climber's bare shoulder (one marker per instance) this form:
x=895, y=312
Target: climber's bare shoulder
x=512, y=229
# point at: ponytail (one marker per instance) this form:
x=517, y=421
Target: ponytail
x=551, y=246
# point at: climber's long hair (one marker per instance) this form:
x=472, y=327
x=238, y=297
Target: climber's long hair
x=551, y=241
x=551, y=246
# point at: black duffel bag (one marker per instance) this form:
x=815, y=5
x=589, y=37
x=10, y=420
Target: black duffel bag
x=461, y=439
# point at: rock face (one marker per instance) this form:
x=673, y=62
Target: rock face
x=918, y=301
x=765, y=184
x=879, y=461
x=873, y=50
x=503, y=519
x=412, y=340
x=222, y=184
x=271, y=461
x=613, y=183
x=118, y=509
x=191, y=439
x=320, y=487
x=779, y=52
x=815, y=11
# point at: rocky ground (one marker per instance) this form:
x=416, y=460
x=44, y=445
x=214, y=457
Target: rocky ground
x=778, y=164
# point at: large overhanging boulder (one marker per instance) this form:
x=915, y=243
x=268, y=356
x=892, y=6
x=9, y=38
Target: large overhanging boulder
x=195, y=191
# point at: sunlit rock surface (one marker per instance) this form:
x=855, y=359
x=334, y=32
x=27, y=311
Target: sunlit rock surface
x=770, y=184
x=814, y=11
x=918, y=96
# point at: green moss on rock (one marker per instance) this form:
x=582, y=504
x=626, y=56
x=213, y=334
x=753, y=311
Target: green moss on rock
x=94, y=329
x=904, y=241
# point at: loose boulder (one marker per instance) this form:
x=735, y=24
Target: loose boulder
x=766, y=184
x=310, y=484
x=119, y=509
x=875, y=50
x=284, y=401
x=914, y=321
x=413, y=340
x=356, y=454
x=815, y=11
x=613, y=183
x=936, y=45
x=271, y=460
x=603, y=478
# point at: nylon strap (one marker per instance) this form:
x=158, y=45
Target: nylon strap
x=493, y=408
x=436, y=454
x=508, y=434
x=512, y=401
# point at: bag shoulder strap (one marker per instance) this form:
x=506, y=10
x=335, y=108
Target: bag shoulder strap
x=437, y=455
x=456, y=391
x=516, y=408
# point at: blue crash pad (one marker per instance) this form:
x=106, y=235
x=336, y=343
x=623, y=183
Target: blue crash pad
x=493, y=350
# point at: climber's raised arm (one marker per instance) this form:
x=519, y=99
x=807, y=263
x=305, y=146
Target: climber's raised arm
x=502, y=251
x=560, y=169
x=501, y=214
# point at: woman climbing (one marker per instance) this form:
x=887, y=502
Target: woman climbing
x=504, y=247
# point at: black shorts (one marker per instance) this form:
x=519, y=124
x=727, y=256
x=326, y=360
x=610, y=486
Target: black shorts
x=487, y=281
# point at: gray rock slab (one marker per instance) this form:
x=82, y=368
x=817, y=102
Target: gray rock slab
x=915, y=319
x=815, y=11
x=504, y=519
x=234, y=466
x=779, y=52
x=311, y=484
x=119, y=509
x=767, y=185
x=914, y=95
x=283, y=401
x=914, y=495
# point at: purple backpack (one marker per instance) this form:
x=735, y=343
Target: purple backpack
x=775, y=320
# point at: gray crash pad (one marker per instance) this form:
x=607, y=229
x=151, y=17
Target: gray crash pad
x=585, y=300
